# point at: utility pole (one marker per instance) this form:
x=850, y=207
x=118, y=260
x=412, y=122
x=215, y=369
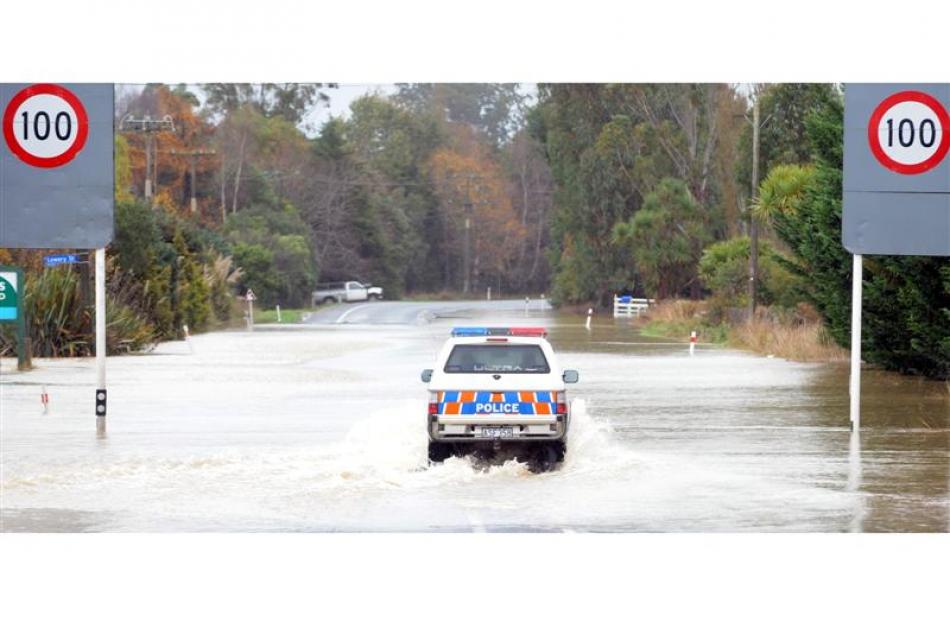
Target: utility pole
x=753, y=225
x=148, y=126
x=466, y=281
x=468, y=209
x=194, y=155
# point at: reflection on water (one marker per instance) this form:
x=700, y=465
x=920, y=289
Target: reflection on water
x=854, y=481
x=323, y=429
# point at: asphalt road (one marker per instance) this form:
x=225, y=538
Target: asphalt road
x=417, y=313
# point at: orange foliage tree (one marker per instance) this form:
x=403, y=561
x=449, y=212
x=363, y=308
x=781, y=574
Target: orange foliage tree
x=468, y=183
x=171, y=172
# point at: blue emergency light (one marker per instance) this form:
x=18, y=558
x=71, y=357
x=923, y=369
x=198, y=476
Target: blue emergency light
x=469, y=331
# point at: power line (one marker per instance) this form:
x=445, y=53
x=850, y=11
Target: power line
x=148, y=126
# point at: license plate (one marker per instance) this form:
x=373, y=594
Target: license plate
x=498, y=432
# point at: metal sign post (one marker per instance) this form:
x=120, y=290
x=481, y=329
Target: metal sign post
x=854, y=386
x=100, y=341
x=896, y=185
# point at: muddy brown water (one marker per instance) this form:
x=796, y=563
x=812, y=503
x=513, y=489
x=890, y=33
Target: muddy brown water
x=321, y=428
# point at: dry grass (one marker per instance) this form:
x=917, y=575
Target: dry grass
x=804, y=342
x=794, y=335
x=677, y=311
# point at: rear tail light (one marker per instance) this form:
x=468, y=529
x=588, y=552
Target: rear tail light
x=433, y=403
x=561, y=403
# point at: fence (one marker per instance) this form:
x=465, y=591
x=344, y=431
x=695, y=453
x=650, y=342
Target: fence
x=626, y=306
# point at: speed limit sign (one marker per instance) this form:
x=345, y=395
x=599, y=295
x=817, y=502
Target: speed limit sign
x=896, y=169
x=909, y=132
x=45, y=125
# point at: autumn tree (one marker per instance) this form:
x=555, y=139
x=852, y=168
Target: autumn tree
x=475, y=208
x=171, y=162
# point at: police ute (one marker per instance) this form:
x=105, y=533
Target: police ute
x=498, y=390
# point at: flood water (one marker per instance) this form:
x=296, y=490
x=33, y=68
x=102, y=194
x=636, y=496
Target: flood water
x=322, y=428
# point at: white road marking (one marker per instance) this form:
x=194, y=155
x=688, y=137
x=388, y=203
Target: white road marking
x=344, y=315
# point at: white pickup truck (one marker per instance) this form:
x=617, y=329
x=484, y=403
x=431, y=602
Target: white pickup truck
x=349, y=291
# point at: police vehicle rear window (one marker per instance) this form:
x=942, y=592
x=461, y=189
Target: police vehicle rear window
x=497, y=359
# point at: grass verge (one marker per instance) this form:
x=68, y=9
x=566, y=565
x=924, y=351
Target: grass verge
x=287, y=315
x=797, y=335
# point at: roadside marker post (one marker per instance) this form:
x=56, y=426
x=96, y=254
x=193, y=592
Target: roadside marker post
x=191, y=347
x=896, y=186
x=249, y=297
x=590, y=313
x=692, y=342
x=278, y=314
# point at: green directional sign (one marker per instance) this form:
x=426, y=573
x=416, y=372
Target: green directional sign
x=11, y=282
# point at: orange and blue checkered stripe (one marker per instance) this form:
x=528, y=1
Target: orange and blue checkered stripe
x=465, y=402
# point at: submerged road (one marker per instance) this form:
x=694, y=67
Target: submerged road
x=416, y=313
x=321, y=427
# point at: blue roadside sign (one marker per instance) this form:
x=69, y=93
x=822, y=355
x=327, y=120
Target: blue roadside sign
x=52, y=260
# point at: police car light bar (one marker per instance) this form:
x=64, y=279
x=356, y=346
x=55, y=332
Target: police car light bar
x=470, y=331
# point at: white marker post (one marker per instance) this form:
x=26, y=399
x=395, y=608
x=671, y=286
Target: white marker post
x=278, y=314
x=854, y=388
x=191, y=347
x=692, y=342
x=590, y=312
x=250, y=297
x=100, y=341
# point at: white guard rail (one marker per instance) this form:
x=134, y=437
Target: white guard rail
x=631, y=307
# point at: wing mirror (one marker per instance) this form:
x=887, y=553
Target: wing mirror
x=570, y=376
x=426, y=375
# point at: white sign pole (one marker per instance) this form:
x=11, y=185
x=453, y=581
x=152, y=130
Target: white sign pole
x=100, y=341
x=855, y=385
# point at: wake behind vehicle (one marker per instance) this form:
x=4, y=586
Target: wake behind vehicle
x=498, y=389
x=348, y=291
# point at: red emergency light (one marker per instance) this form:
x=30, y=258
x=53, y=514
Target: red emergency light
x=539, y=332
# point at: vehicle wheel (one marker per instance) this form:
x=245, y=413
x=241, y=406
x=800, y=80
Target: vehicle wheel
x=374, y=298
x=440, y=451
x=333, y=300
x=547, y=456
